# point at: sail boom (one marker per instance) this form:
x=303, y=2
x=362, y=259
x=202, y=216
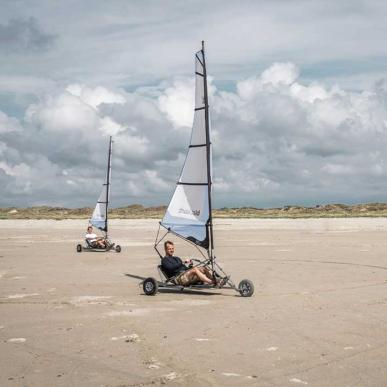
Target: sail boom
x=181, y=233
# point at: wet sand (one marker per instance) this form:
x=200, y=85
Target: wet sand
x=318, y=316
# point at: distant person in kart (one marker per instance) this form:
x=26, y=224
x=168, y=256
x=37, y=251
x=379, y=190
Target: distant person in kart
x=94, y=240
x=173, y=266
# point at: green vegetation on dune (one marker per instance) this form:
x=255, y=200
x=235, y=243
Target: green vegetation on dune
x=137, y=211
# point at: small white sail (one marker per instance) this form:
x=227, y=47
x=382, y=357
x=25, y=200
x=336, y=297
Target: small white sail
x=99, y=218
x=188, y=212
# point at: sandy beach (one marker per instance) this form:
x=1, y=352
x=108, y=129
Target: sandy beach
x=318, y=316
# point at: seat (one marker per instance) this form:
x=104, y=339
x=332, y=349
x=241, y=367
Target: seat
x=163, y=272
x=91, y=245
x=88, y=243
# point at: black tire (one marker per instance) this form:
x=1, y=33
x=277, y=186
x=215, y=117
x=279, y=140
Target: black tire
x=118, y=248
x=246, y=288
x=150, y=286
x=79, y=248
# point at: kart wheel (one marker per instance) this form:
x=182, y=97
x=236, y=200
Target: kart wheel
x=246, y=288
x=150, y=286
x=118, y=248
x=79, y=248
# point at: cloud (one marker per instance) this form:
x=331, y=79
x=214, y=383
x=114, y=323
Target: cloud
x=143, y=43
x=67, y=136
x=95, y=96
x=298, y=101
x=293, y=142
x=177, y=102
x=277, y=75
x=8, y=124
x=276, y=140
x=24, y=35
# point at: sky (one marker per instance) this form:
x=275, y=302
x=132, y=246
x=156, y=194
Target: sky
x=297, y=93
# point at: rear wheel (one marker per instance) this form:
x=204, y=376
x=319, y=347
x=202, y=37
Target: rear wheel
x=150, y=286
x=246, y=288
x=79, y=248
x=118, y=248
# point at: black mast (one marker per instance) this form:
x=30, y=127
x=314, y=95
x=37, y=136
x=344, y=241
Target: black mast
x=208, y=148
x=108, y=183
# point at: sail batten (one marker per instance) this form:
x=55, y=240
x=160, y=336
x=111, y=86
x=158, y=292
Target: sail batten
x=188, y=214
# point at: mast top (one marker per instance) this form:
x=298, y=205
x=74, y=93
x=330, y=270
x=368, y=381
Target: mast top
x=203, y=45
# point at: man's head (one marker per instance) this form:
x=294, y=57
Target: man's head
x=169, y=248
x=89, y=229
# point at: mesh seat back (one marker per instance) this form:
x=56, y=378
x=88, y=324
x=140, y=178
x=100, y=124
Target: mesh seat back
x=162, y=270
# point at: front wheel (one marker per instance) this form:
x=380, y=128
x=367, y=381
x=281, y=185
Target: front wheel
x=246, y=288
x=118, y=248
x=79, y=248
x=150, y=286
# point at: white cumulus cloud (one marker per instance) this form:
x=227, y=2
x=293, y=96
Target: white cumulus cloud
x=276, y=140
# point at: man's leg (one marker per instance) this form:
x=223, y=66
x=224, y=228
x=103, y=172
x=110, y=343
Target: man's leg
x=187, y=278
x=101, y=244
x=207, y=273
x=200, y=273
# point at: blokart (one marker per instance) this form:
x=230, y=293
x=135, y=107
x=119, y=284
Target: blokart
x=189, y=214
x=88, y=246
x=151, y=285
x=99, y=218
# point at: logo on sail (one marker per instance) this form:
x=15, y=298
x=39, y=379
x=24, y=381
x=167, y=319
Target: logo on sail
x=189, y=212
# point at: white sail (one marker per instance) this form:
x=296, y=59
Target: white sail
x=188, y=212
x=99, y=217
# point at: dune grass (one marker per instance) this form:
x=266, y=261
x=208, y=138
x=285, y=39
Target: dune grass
x=138, y=211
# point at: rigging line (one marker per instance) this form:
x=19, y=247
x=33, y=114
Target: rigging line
x=199, y=74
x=157, y=242
x=163, y=237
x=200, y=251
x=158, y=232
x=200, y=108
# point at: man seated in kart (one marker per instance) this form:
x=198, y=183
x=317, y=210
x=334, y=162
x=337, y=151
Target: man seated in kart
x=94, y=240
x=174, y=266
